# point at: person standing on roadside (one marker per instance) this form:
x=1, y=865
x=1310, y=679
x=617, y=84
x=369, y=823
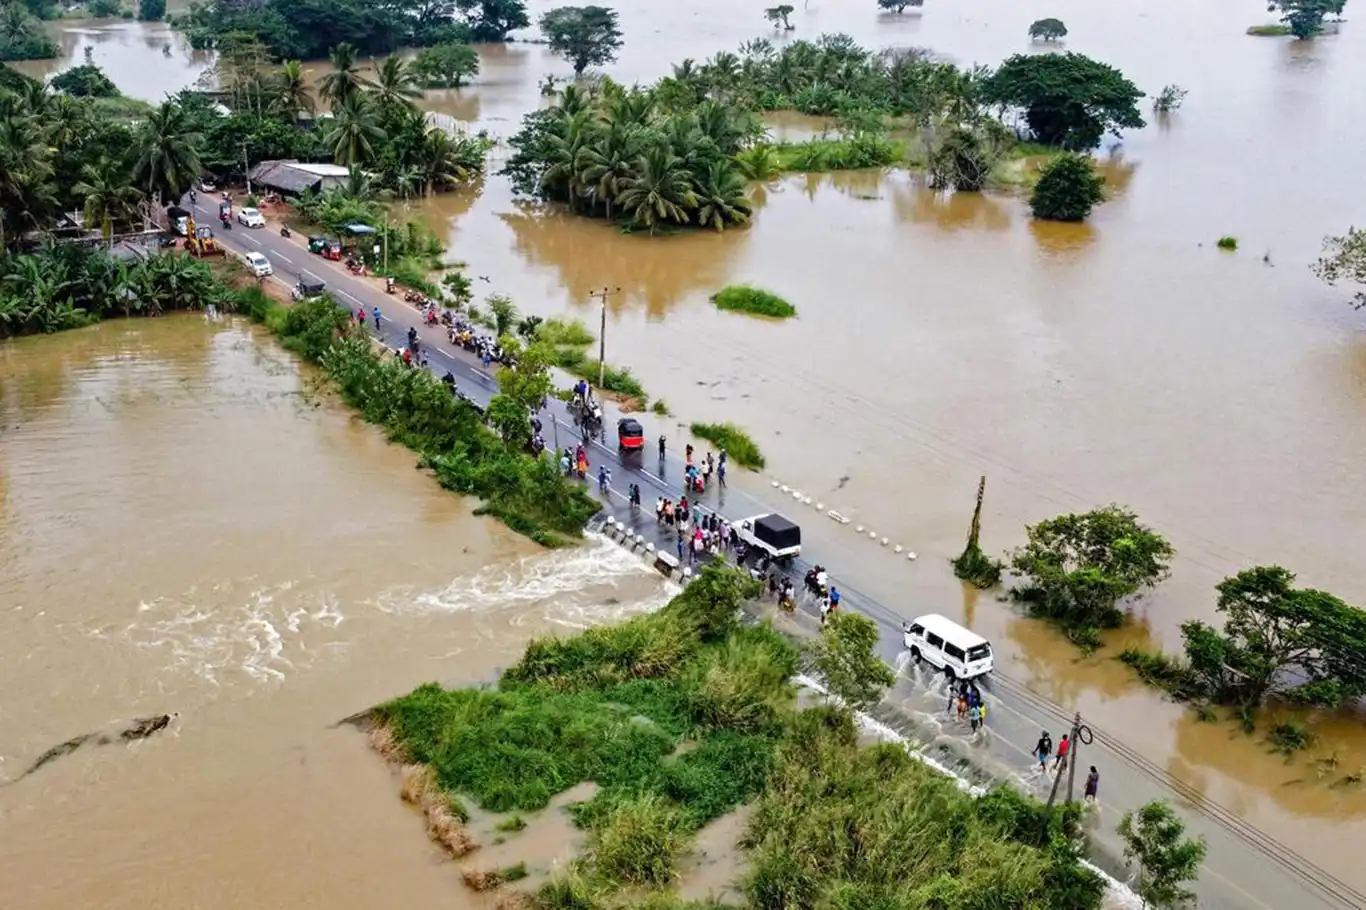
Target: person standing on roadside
x=1063, y=745
x=1092, y=785
x=661, y=447
x=1042, y=749
x=360, y=316
x=721, y=471
x=376, y=314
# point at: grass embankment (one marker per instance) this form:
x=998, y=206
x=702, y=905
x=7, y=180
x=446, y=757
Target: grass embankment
x=414, y=408
x=835, y=826
x=734, y=440
x=746, y=299
x=1270, y=30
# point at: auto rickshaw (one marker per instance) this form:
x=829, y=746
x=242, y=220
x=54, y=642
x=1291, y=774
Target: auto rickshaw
x=630, y=435
x=332, y=249
x=307, y=288
x=316, y=243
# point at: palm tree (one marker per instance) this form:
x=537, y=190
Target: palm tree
x=27, y=196
x=358, y=184
x=721, y=196
x=168, y=160
x=565, y=154
x=109, y=197
x=443, y=161
x=345, y=79
x=395, y=85
x=291, y=91
x=718, y=123
x=660, y=192
x=355, y=129
x=608, y=163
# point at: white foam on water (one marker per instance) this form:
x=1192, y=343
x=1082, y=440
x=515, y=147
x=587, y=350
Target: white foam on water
x=575, y=587
x=1118, y=895
x=259, y=637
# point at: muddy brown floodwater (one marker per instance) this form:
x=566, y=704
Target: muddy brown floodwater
x=1223, y=396
x=183, y=528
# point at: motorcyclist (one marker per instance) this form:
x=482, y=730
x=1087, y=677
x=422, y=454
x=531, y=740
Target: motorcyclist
x=449, y=379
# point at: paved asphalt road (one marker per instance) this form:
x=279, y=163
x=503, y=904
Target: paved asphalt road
x=1244, y=868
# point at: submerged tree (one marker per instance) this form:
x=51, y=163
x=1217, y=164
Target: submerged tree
x=1047, y=29
x=584, y=35
x=1305, y=17
x=1344, y=259
x=1076, y=568
x=493, y=20
x=1069, y=100
x=779, y=14
x=1155, y=841
x=972, y=565
x=1169, y=99
x=1068, y=189
x=898, y=6
x=446, y=65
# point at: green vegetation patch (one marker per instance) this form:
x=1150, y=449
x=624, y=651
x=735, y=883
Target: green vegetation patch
x=834, y=825
x=528, y=494
x=747, y=299
x=862, y=150
x=734, y=440
x=619, y=380
x=1270, y=30
x=1228, y=243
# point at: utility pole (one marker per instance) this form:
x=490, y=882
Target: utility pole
x=1071, y=761
x=386, y=243
x=246, y=166
x=602, y=333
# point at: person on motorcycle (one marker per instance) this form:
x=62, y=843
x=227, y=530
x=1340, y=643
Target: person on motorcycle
x=193, y=197
x=604, y=476
x=449, y=379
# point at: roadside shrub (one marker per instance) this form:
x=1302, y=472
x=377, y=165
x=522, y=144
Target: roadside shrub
x=558, y=332
x=735, y=441
x=746, y=299
x=411, y=272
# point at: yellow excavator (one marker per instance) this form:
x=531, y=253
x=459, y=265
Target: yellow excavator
x=200, y=242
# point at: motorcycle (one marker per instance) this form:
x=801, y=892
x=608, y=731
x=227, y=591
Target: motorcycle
x=816, y=581
x=412, y=297
x=227, y=222
x=285, y=231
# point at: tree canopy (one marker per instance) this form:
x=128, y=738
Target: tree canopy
x=446, y=65
x=1049, y=29
x=1305, y=17
x=898, y=6
x=1069, y=100
x=584, y=35
x=778, y=15
x=1344, y=259
x=22, y=36
x=309, y=29
x=1155, y=841
x=151, y=10
x=84, y=81
x=1068, y=189
x=1076, y=568
x=845, y=656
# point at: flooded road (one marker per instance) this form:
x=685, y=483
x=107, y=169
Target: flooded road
x=1221, y=395
x=184, y=529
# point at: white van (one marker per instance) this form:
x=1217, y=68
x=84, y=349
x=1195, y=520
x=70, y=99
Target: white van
x=942, y=643
x=259, y=264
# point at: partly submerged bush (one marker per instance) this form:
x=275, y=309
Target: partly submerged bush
x=748, y=299
x=735, y=441
x=638, y=841
x=1228, y=243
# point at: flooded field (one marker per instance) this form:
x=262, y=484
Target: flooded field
x=1221, y=395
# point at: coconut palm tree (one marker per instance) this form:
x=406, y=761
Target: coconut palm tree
x=610, y=162
x=354, y=131
x=344, y=79
x=565, y=148
x=395, y=85
x=443, y=161
x=168, y=158
x=660, y=191
x=27, y=197
x=721, y=199
x=291, y=91
x=109, y=197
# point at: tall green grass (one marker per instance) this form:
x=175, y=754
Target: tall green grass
x=746, y=299
x=414, y=408
x=849, y=153
x=1271, y=30
x=734, y=440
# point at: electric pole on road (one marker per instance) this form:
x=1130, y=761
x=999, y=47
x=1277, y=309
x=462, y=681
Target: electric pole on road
x=602, y=332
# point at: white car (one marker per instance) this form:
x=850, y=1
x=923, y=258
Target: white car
x=945, y=645
x=259, y=265
x=251, y=218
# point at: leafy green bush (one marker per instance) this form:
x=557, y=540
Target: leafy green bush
x=1228, y=243
x=660, y=407
x=1289, y=737
x=863, y=150
x=1067, y=190
x=748, y=299
x=733, y=440
x=85, y=81
x=554, y=331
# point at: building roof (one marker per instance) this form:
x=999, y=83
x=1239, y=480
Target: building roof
x=294, y=176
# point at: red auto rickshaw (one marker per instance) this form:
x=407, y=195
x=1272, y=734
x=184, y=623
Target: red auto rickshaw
x=630, y=435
